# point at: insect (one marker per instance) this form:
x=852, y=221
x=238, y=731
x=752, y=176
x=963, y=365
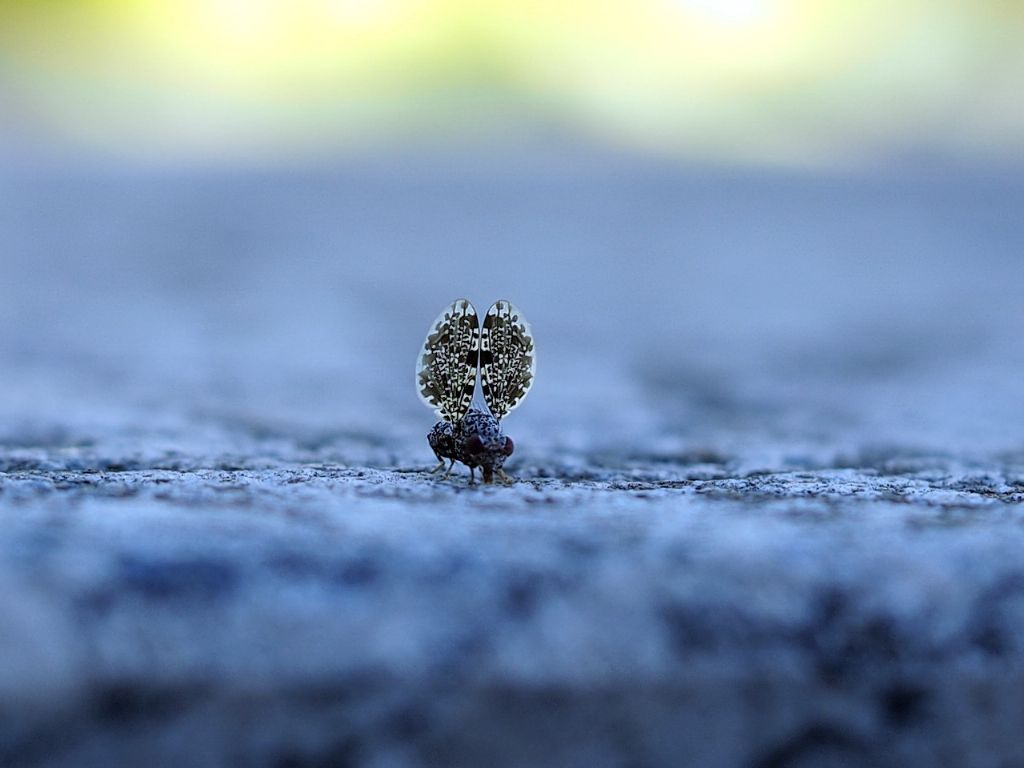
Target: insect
x=456, y=352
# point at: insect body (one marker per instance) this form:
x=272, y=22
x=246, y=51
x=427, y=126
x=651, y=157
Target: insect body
x=455, y=353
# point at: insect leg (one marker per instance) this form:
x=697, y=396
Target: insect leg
x=505, y=477
x=448, y=471
x=439, y=466
x=472, y=476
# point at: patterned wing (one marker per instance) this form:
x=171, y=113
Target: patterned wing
x=507, y=358
x=447, y=366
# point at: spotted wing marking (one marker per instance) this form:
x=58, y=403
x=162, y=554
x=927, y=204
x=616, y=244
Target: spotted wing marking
x=447, y=366
x=507, y=358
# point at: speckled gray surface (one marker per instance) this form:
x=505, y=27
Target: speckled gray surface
x=769, y=509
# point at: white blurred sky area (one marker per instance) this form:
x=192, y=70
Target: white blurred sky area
x=776, y=82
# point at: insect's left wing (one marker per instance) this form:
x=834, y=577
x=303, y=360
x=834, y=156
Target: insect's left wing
x=507, y=358
x=447, y=365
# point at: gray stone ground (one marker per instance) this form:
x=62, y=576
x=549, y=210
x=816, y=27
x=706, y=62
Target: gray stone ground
x=769, y=509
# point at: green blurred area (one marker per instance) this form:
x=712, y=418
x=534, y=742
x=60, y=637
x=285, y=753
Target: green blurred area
x=767, y=81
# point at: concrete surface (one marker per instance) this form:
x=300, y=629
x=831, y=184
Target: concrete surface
x=771, y=476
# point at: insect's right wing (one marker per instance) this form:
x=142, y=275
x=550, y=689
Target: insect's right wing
x=447, y=366
x=508, y=360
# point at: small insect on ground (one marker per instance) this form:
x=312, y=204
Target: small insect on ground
x=457, y=352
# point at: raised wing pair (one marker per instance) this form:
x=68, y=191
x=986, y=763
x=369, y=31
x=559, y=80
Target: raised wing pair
x=456, y=352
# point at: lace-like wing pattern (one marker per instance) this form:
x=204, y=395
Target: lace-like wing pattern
x=507, y=359
x=447, y=367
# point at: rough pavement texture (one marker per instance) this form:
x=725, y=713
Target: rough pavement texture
x=771, y=476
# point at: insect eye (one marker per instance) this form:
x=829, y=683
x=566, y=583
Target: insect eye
x=475, y=444
x=509, y=446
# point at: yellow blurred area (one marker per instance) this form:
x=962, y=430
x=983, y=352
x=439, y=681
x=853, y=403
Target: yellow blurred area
x=791, y=81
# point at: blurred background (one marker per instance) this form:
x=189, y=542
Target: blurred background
x=793, y=82
x=782, y=230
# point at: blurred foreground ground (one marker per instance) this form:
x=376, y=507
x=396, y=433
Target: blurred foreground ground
x=772, y=471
